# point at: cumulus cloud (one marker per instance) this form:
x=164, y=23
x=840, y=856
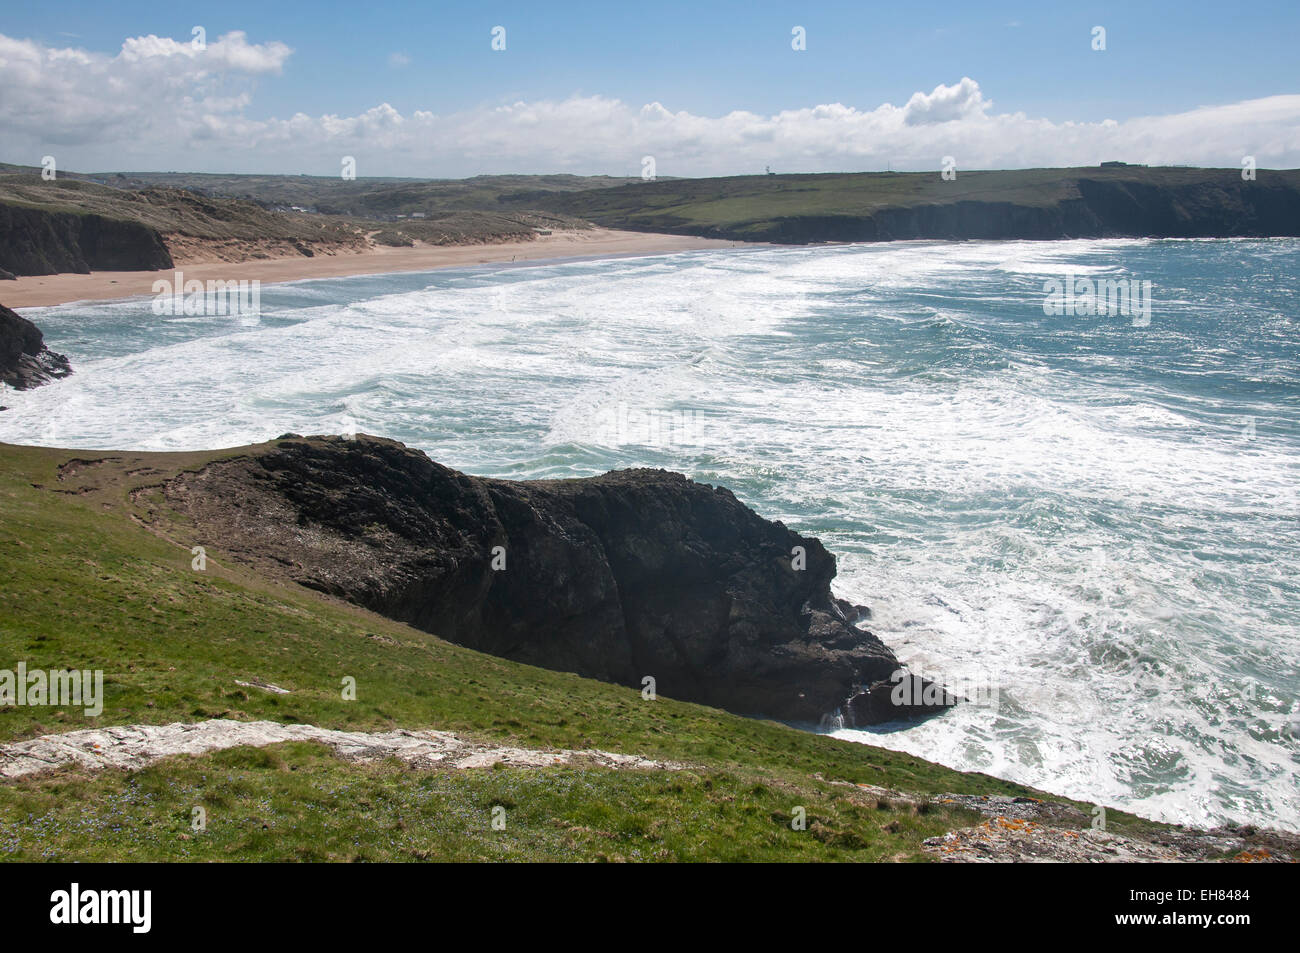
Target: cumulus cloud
x=946, y=104
x=161, y=104
x=153, y=90
x=229, y=52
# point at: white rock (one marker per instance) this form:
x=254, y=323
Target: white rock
x=133, y=746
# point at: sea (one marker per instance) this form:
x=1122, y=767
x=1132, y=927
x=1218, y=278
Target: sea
x=1065, y=476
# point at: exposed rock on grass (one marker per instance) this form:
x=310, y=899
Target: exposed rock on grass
x=1028, y=829
x=130, y=747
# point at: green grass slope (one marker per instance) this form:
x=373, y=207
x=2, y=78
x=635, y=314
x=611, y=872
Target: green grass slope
x=87, y=585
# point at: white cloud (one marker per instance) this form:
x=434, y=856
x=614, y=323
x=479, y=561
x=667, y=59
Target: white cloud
x=149, y=98
x=946, y=104
x=398, y=60
x=160, y=104
x=231, y=52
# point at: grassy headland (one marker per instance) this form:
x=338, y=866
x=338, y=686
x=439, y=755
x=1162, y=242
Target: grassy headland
x=87, y=585
x=883, y=206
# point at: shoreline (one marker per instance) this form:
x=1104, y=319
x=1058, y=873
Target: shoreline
x=43, y=291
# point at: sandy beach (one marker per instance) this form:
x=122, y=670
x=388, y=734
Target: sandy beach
x=43, y=290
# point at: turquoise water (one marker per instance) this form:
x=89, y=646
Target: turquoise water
x=1099, y=520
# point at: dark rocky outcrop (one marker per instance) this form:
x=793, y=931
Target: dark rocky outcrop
x=42, y=241
x=25, y=361
x=903, y=695
x=631, y=574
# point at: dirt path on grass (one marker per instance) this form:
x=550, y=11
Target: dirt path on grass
x=130, y=747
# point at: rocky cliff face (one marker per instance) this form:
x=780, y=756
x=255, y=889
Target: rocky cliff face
x=35, y=241
x=870, y=207
x=1103, y=209
x=633, y=574
x=25, y=361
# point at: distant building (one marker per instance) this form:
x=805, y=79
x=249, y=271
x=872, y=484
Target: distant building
x=417, y=215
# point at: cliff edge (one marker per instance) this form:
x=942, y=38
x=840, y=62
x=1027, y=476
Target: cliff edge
x=631, y=575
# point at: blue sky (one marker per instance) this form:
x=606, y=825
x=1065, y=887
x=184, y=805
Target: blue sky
x=704, y=60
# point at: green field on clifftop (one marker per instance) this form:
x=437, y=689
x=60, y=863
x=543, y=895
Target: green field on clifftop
x=817, y=207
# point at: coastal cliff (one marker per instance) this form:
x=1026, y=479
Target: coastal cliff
x=44, y=241
x=1029, y=204
x=1103, y=209
x=629, y=575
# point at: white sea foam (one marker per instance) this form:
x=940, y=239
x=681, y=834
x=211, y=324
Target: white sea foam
x=1101, y=519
